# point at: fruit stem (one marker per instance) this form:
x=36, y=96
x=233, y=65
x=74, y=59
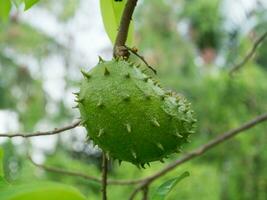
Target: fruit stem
x=104, y=176
x=119, y=49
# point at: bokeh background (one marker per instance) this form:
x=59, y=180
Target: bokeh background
x=191, y=43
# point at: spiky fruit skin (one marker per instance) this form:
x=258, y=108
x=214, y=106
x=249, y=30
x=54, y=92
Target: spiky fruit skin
x=130, y=116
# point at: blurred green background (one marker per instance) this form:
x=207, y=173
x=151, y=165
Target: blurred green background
x=191, y=43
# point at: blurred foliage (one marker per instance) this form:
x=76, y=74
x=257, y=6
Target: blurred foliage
x=186, y=61
x=63, y=13
x=205, y=22
x=17, y=36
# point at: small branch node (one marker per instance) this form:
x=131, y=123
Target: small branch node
x=134, y=51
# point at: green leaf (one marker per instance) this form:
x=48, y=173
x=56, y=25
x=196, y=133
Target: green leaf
x=29, y=3
x=1, y=162
x=41, y=191
x=164, y=189
x=111, y=14
x=3, y=182
x=5, y=7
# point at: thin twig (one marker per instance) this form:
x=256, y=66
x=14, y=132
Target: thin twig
x=199, y=151
x=65, y=172
x=52, y=132
x=249, y=55
x=141, y=58
x=135, y=192
x=123, y=29
x=83, y=175
x=145, y=193
x=104, y=176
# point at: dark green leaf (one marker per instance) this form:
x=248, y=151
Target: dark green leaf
x=164, y=189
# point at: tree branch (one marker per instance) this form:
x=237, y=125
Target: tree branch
x=148, y=180
x=145, y=193
x=83, y=175
x=104, y=176
x=249, y=55
x=199, y=151
x=52, y=132
x=119, y=48
x=65, y=172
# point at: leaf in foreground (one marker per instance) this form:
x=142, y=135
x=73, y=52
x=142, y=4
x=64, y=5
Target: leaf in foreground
x=164, y=189
x=41, y=191
x=111, y=14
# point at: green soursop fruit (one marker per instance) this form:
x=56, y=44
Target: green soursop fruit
x=129, y=116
